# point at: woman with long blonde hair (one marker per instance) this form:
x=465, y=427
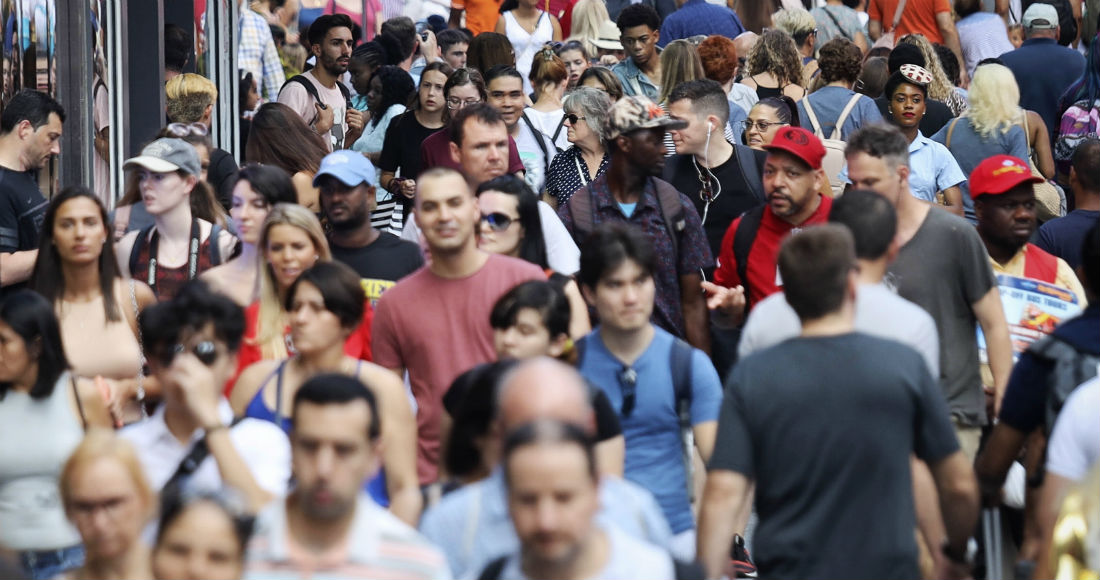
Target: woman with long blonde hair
x=991, y=126
x=679, y=63
x=585, y=23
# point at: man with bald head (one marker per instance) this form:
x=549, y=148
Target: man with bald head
x=472, y=524
x=436, y=340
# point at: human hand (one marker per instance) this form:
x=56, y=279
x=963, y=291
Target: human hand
x=196, y=384
x=407, y=188
x=326, y=118
x=429, y=47
x=356, y=120
x=609, y=60
x=946, y=569
x=729, y=302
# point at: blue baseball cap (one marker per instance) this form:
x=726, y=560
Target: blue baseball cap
x=350, y=167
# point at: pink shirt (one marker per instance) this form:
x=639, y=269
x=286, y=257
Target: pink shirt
x=438, y=328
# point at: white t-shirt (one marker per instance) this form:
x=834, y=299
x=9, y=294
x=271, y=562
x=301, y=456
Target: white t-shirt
x=628, y=558
x=1075, y=442
x=535, y=163
x=298, y=98
x=548, y=123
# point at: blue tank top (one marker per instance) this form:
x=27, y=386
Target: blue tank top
x=256, y=409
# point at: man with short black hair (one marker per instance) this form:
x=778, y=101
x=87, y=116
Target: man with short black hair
x=943, y=267
x=630, y=192
x=640, y=30
x=641, y=368
x=347, y=196
x=318, y=95
x=1041, y=81
x=328, y=525
x=453, y=45
x=1063, y=236
x=536, y=149
x=30, y=136
x=794, y=401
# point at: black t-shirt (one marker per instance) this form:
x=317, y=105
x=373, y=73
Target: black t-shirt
x=381, y=263
x=401, y=149
x=825, y=426
x=222, y=175
x=22, y=210
x=936, y=115
x=735, y=198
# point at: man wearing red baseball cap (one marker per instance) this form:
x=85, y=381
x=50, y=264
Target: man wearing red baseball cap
x=793, y=180
x=1003, y=190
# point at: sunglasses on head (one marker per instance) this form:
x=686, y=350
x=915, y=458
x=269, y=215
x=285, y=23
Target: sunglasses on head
x=497, y=221
x=206, y=351
x=186, y=129
x=628, y=380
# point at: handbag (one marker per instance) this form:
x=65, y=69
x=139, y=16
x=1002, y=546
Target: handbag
x=1051, y=202
x=887, y=38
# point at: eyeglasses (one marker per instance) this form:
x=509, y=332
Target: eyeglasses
x=628, y=380
x=497, y=221
x=206, y=351
x=573, y=118
x=453, y=103
x=761, y=126
x=185, y=129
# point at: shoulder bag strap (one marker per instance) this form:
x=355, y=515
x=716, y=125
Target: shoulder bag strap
x=1027, y=137
x=897, y=16
x=825, y=9
x=950, y=130
x=814, y=123
x=843, y=114
x=742, y=244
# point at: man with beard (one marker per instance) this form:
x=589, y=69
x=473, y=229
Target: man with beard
x=316, y=95
x=345, y=181
x=793, y=178
x=329, y=528
x=30, y=134
x=630, y=192
x=1004, y=201
x=435, y=322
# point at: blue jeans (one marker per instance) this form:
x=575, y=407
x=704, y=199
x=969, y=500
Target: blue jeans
x=40, y=565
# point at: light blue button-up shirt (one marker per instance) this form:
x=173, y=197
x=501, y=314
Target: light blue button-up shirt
x=932, y=168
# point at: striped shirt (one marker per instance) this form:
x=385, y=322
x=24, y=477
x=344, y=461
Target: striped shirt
x=378, y=546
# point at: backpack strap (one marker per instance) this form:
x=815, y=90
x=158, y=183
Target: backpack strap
x=814, y=123
x=672, y=213
x=749, y=171
x=309, y=87
x=742, y=243
x=140, y=242
x=843, y=114
x=950, y=130
x=680, y=364
x=561, y=125
x=494, y=569
x=583, y=211
x=214, y=248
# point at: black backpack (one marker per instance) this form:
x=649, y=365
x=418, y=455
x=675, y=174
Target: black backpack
x=1069, y=368
x=1065, y=18
x=742, y=244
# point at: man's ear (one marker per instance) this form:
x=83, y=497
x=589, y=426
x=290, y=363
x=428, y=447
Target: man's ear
x=372, y=200
x=455, y=153
x=589, y=294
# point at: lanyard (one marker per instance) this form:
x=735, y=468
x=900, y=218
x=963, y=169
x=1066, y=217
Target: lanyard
x=580, y=171
x=192, y=259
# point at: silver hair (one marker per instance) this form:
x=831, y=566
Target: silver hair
x=592, y=104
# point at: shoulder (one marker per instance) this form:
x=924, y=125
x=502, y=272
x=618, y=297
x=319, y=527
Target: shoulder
x=522, y=269
x=249, y=382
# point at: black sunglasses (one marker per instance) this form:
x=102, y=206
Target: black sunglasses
x=206, y=351
x=628, y=379
x=497, y=221
x=573, y=118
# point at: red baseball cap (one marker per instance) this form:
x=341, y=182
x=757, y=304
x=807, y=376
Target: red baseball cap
x=999, y=174
x=800, y=143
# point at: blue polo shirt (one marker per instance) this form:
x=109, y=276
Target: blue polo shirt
x=654, y=455
x=700, y=17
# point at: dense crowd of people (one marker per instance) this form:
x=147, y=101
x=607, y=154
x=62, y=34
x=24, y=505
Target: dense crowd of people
x=574, y=289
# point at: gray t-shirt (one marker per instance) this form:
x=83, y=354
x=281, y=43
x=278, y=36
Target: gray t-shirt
x=879, y=312
x=628, y=557
x=829, y=102
x=969, y=149
x=944, y=269
x=825, y=426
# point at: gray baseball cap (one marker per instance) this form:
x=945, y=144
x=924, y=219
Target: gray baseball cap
x=1040, y=16
x=167, y=155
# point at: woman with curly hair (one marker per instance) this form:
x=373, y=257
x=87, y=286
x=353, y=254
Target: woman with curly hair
x=841, y=62
x=800, y=24
x=391, y=88
x=775, y=67
x=941, y=88
x=992, y=127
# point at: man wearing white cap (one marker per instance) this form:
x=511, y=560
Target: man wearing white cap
x=1042, y=85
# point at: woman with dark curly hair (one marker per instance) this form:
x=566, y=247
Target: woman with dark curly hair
x=775, y=67
x=391, y=88
x=841, y=62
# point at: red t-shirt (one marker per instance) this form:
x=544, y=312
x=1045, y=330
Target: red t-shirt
x=435, y=151
x=358, y=344
x=762, y=269
x=918, y=16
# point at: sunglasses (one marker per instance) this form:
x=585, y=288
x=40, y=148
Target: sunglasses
x=573, y=118
x=762, y=126
x=206, y=351
x=497, y=221
x=628, y=380
x=186, y=129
